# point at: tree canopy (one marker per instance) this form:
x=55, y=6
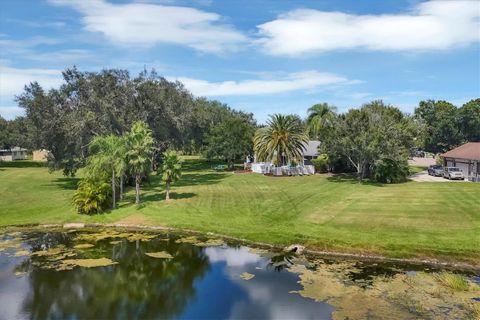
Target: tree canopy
x=65, y=119
x=230, y=139
x=369, y=134
x=446, y=126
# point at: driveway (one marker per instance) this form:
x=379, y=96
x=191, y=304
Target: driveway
x=425, y=162
x=424, y=177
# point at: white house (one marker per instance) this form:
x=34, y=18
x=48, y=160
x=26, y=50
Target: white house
x=310, y=153
x=467, y=158
x=15, y=153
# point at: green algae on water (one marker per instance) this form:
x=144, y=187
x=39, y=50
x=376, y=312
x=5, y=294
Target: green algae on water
x=210, y=243
x=191, y=240
x=113, y=234
x=88, y=263
x=14, y=243
x=401, y=296
x=247, y=276
x=22, y=253
x=159, y=255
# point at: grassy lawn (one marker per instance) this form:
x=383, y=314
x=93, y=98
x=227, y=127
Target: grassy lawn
x=412, y=219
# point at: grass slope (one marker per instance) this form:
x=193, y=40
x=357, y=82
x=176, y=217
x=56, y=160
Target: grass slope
x=412, y=219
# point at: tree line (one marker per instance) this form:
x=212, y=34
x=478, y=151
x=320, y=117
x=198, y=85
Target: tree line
x=375, y=140
x=64, y=120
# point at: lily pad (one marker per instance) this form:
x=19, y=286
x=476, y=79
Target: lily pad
x=88, y=263
x=10, y=244
x=192, y=240
x=22, y=253
x=159, y=255
x=141, y=237
x=247, y=276
x=210, y=243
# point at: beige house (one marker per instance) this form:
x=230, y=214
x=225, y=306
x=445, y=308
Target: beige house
x=467, y=158
x=41, y=155
x=15, y=153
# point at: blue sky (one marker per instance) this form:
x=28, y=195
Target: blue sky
x=268, y=56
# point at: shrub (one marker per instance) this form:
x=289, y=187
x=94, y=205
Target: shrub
x=92, y=196
x=390, y=171
x=321, y=163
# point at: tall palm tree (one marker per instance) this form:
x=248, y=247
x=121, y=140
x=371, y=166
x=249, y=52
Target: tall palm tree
x=171, y=170
x=284, y=137
x=320, y=117
x=139, y=154
x=108, y=154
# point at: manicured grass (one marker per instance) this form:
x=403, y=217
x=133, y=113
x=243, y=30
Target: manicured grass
x=412, y=219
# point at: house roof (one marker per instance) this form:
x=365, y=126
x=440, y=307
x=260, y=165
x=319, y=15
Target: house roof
x=467, y=151
x=18, y=149
x=311, y=148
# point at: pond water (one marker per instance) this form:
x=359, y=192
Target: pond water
x=119, y=274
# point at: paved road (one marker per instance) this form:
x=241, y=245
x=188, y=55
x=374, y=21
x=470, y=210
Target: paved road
x=424, y=177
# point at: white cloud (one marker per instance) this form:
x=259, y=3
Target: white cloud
x=233, y=257
x=430, y=25
x=306, y=80
x=147, y=24
x=13, y=80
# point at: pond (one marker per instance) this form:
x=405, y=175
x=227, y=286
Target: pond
x=60, y=274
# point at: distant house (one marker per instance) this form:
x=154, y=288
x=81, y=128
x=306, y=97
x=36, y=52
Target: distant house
x=311, y=151
x=467, y=158
x=41, y=155
x=15, y=153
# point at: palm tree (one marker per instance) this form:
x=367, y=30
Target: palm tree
x=171, y=170
x=108, y=156
x=284, y=137
x=320, y=117
x=140, y=150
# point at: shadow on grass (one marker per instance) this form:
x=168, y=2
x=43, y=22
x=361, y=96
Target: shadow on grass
x=161, y=196
x=65, y=183
x=352, y=179
x=22, y=164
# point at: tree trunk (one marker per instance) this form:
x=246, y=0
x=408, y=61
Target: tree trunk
x=137, y=189
x=113, y=189
x=121, y=187
x=167, y=191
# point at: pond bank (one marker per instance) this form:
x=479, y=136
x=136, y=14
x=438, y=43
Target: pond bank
x=460, y=266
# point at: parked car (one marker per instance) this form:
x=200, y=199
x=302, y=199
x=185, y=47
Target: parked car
x=452, y=173
x=435, y=170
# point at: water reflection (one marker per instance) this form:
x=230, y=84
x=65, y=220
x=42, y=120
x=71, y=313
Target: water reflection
x=196, y=283
x=203, y=282
x=139, y=287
